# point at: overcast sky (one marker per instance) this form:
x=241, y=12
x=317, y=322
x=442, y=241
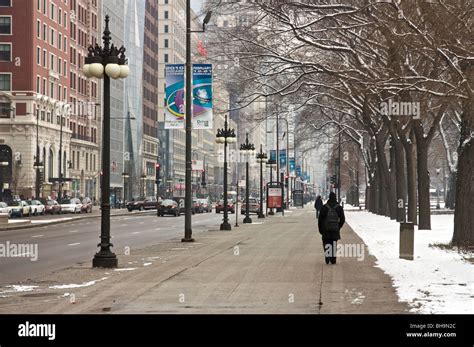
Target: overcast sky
x=196, y=5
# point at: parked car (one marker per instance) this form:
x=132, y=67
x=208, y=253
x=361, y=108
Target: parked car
x=254, y=206
x=71, y=205
x=51, y=206
x=18, y=208
x=141, y=204
x=86, y=205
x=4, y=208
x=36, y=207
x=230, y=206
x=197, y=206
x=170, y=207
x=205, y=205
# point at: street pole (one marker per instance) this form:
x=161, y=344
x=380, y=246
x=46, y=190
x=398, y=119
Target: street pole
x=188, y=232
x=247, y=149
x=37, y=161
x=237, y=206
x=60, y=156
x=105, y=62
x=261, y=157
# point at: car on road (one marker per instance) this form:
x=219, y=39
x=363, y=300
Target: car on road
x=72, y=205
x=18, y=209
x=230, y=206
x=86, y=205
x=254, y=206
x=142, y=204
x=169, y=207
x=206, y=205
x=36, y=207
x=4, y=208
x=197, y=206
x=51, y=206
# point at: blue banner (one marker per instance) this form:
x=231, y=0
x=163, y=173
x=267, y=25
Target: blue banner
x=292, y=164
x=273, y=155
x=298, y=170
x=202, y=96
x=174, y=99
x=282, y=157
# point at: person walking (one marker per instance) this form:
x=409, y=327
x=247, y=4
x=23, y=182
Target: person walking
x=331, y=219
x=318, y=205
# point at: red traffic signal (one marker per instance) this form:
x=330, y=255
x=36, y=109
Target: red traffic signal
x=157, y=165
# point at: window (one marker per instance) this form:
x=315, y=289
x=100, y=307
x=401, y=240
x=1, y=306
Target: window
x=167, y=43
x=166, y=28
x=60, y=67
x=166, y=14
x=60, y=41
x=5, y=52
x=38, y=29
x=44, y=58
x=166, y=58
x=5, y=25
x=5, y=3
x=51, y=89
x=52, y=60
x=5, y=82
x=38, y=84
x=53, y=12
x=45, y=32
x=38, y=56
x=52, y=38
x=60, y=16
x=45, y=7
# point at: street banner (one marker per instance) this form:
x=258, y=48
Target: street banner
x=292, y=165
x=202, y=96
x=273, y=155
x=175, y=98
x=282, y=157
x=298, y=170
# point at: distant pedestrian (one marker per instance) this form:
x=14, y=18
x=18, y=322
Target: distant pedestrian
x=331, y=219
x=318, y=205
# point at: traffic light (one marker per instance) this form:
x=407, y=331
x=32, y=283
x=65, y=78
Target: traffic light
x=157, y=173
x=286, y=181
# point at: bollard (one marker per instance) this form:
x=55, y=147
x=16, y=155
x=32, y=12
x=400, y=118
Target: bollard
x=407, y=240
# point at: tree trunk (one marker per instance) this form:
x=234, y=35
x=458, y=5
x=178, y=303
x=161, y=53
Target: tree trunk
x=464, y=212
x=400, y=180
x=411, y=181
x=386, y=194
x=423, y=185
x=451, y=192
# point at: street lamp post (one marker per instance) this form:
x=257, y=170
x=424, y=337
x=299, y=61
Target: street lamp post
x=106, y=62
x=225, y=136
x=188, y=202
x=271, y=163
x=125, y=175
x=38, y=165
x=261, y=159
x=247, y=149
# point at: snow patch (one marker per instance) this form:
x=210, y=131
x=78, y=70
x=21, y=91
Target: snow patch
x=436, y=281
x=85, y=284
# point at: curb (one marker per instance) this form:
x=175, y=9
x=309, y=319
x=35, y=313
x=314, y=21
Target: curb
x=73, y=219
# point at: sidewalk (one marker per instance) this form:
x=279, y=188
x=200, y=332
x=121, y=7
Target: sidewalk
x=274, y=267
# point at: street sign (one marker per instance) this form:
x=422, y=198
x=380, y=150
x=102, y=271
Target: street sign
x=274, y=195
x=197, y=165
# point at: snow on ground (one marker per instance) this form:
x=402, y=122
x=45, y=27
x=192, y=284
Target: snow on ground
x=436, y=281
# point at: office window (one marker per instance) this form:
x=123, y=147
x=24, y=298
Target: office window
x=52, y=60
x=38, y=29
x=60, y=16
x=53, y=12
x=38, y=5
x=44, y=58
x=5, y=25
x=45, y=32
x=167, y=43
x=51, y=89
x=166, y=58
x=5, y=109
x=166, y=28
x=60, y=67
x=5, y=52
x=5, y=82
x=166, y=14
x=60, y=41
x=53, y=38
x=38, y=84
x=5, y=3
x=45, y=7
x=38, y=56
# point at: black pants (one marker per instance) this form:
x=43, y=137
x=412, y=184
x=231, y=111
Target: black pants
x=330, y=250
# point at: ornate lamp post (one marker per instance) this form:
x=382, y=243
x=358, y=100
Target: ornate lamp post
x=225, y=136
x=261, y=159
x=247, y=149
x=106, y=62
x=271, y=163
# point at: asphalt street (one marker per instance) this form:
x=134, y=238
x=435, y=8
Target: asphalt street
x=67, y=244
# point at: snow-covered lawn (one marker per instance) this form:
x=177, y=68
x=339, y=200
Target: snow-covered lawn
x=437, y=280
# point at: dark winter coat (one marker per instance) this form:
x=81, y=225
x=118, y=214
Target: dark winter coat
x=318, y=204
x=322, y=221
